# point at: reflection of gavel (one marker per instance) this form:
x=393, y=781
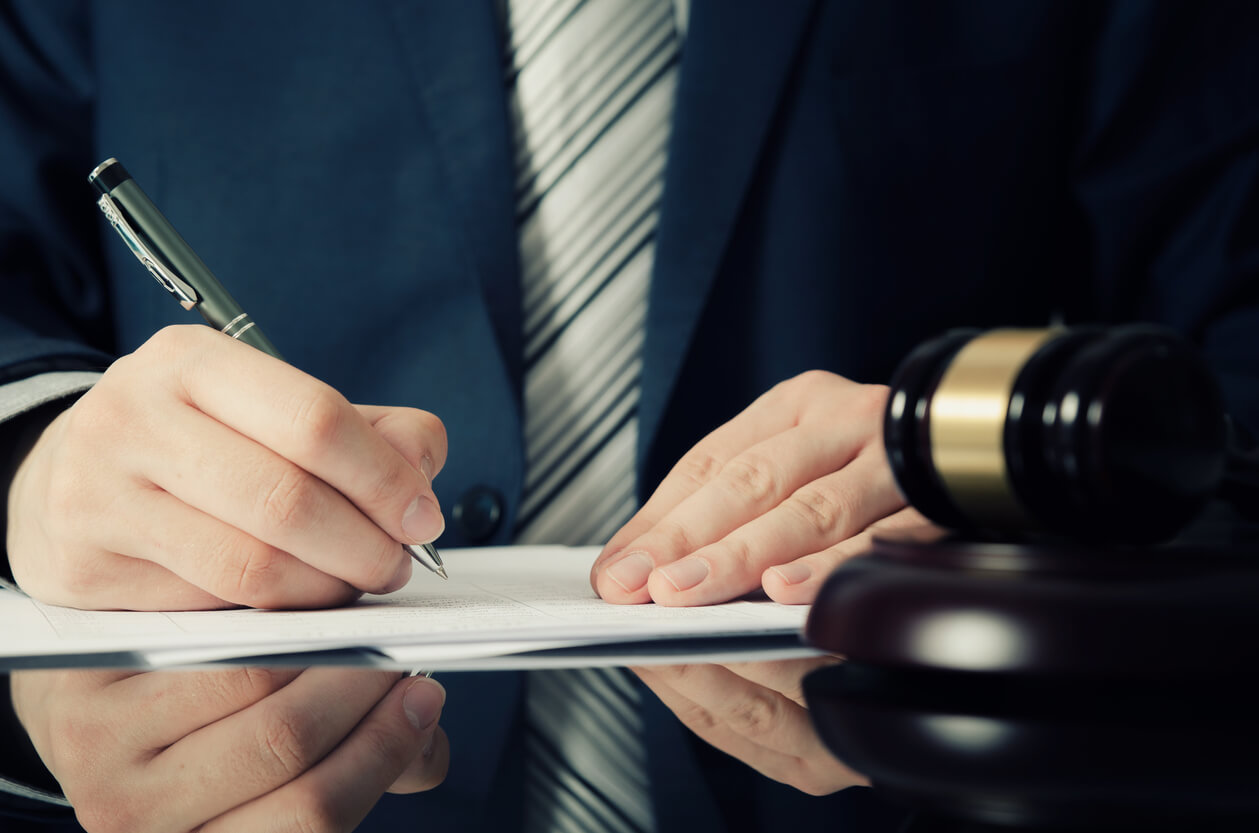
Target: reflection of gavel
x=1050, y=666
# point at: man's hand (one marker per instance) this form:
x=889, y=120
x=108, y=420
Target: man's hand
x=756, y=713
x=201, y=473
x=775, y=498
x=245, y=749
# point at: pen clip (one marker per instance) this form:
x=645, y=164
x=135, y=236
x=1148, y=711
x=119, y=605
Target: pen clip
x=175, y=285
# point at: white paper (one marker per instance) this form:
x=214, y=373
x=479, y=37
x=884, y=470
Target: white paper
x=502, y=607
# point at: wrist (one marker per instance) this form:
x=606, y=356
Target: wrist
x=21, y=768
x=17, y=436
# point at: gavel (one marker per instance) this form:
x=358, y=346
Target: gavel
x=1067, y=658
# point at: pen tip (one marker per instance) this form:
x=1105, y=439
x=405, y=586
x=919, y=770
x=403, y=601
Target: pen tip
x=441, y=571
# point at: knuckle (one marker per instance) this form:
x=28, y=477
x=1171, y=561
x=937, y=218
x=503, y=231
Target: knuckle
x=672, y=538
x=813, y=379
x=428, y=425
x=756, y=716
x=238, y=687
x=287, y=502
x=167, y=342
x=253, y=576
x=825, y=510
x=436, y=428
x=390, y=484
x=737, y=557
x=804, y=386
x=870, y=401
x=179, y=346
x=318, y=419
x=698, y=467
x=751, y=478
x=283, y=743
x=699, y=719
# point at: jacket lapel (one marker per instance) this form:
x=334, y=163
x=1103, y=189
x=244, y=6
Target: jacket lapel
x=735, y=60
x=453, y=49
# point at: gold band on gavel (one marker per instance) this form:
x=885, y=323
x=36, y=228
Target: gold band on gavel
x=967, y=417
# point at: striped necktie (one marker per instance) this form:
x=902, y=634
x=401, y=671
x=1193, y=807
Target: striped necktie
x=592, y=85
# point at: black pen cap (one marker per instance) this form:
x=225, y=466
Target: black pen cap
x=108, y=175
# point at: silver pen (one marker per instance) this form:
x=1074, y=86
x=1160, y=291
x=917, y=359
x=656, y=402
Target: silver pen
x=170, y=259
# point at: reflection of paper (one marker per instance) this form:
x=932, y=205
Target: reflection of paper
x=504, y=607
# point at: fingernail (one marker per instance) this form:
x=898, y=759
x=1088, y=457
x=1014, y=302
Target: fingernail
x=423, y=701
x=687, y=573
x=630, y=573
x=426, y=467
x=401, y=577
x=423, y=521
x=793, y=573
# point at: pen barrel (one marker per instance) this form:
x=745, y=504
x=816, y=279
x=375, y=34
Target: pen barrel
x=214, y=302
x=242, y=328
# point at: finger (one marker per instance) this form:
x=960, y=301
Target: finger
x=267, y=744
x=818, y=514
x=338, y=792
x=249, y=487
x=798, y=582
x=311, y=424
x=749, y=485
x=784, y=676
x=227, y=563
x=427, y=769
x=155, y=710
x=410, y=431
x=762, y=419
x=760, y=727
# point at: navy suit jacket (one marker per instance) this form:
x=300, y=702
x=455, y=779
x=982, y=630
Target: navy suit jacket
x=846, y=178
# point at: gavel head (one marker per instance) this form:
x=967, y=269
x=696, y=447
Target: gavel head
x=1053, y=665
x=1100, y=434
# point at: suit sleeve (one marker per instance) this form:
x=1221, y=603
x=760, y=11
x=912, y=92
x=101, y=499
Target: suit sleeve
x=1166, y=177
x=53, y=302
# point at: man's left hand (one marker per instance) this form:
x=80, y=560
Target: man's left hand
x=756, y=713
x=775, y=498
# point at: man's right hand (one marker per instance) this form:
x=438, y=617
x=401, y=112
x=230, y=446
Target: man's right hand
x=244, y=749
x=201, y=473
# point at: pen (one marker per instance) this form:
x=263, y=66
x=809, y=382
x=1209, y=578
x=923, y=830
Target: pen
x=170, y=259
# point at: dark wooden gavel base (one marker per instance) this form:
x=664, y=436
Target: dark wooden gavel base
x=1047, y=687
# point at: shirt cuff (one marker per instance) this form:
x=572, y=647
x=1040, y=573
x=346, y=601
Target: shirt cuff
x=23, y=395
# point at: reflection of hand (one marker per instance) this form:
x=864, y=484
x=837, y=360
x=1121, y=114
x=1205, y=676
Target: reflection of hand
x=200, y=473
x=776, y=497
x=245, y=749
x=756, y=713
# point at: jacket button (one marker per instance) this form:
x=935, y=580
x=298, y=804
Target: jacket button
x=478, y=513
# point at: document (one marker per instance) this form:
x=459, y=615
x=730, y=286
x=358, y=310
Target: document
x=504, y=607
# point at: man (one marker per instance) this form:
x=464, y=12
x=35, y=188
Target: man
x=843, y=180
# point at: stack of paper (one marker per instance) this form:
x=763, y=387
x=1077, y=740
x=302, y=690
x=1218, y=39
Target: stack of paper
x=511, y=607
